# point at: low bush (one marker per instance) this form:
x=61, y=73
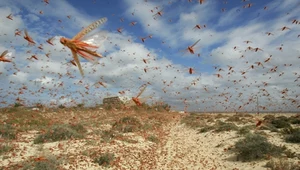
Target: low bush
x=60, y=132
x=222, y=126
x=280, y=123
x=294, y=136
x=153, y=138
x=127, y=124
x=105, y=159
x=108, y=135
x=244, y=130
x=282, y=164
x=205, y=129
x=255, y=147
x=7, y=131
x=4, y=147
x=193, y=121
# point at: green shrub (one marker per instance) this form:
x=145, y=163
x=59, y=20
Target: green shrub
x=222, y=126
x=127, y=124
x=50, y=163
x=205, y=129
x=153, y=138
x=294, y=120
x=282, y=164
x=59, y=132
x=193, y=121
x=105, y=159
x=78, y=128
x=244, y=130
x=234, y=119
x=280, y=122
x=4, y=147
x=294, y=136
x=108, y=135
x=255, y=147
x=7, y=131
x=18, y=105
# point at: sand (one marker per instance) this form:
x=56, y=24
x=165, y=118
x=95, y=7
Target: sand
x=179, y=147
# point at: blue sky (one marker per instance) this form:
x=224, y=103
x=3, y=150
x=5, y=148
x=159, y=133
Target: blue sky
x=228, y=25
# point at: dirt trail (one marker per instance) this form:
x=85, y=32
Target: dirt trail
x=185, y=149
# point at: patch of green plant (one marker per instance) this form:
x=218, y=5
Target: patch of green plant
x=147, y=126
x=27, y=120
x=193, y=121
x=294, y=120
x=107, y=135
x=268, y=126
x=222, y=126
x=234, y=119
x=105, y=159
x=127, y=124
x=58, y=133
x=205, y=129
x=281, y=122
x=244, y=130
x=4, y=147
x=282, y=164
x=255, y=147
x=153, y=139
x=269, y=118
x=294, y=136
x=50, y=163
x=18, y=105
x=78, y=127
x=7, y=131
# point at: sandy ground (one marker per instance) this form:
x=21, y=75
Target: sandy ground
x=180, y=147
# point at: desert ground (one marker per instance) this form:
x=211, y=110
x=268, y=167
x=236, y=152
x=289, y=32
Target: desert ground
x=94, y=138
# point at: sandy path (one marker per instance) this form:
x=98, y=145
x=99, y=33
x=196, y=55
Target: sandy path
x=185, y=149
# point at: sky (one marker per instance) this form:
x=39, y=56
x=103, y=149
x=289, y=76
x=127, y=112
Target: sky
x=247, y=49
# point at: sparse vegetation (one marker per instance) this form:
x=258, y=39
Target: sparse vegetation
x=49, y=162
x=294, y=119
x=7, y=131
x=205, y=129
x=60, y=132
x=222, y=126
x=107, y=135
x=282, y=164
x=280, y=122
x=153, y=138
x=193, y=121
x=255, y=147
x=244, y=130
x=127, y=124
x=4, y=147
x=18, y=105
x=294, y=136
x=105, y=159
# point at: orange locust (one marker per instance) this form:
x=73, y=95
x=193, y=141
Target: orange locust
x=197, y=27
x=18, y=32
x=2, y=57
x=9, y=17
x=28, y=38
x=77, y=46
x=159, y=13
x=49, y=41
x=191, y=70
x=136, y=99
x=190, y=49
